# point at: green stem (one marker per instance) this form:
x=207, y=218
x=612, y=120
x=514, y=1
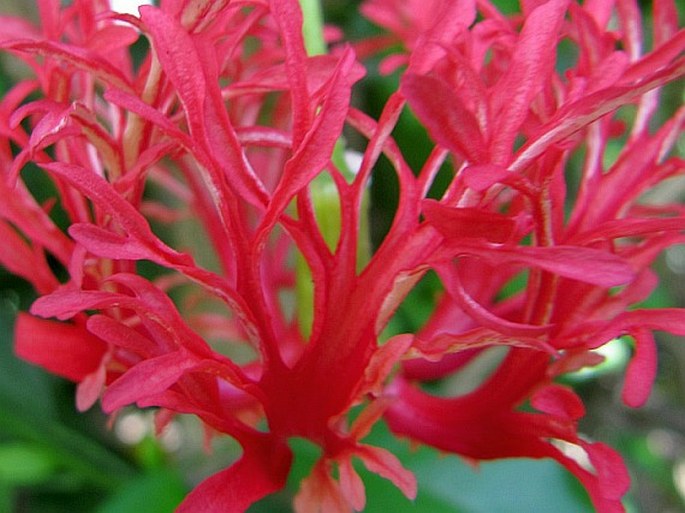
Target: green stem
x=312, y=32
x=324, y=194
x=312, y=29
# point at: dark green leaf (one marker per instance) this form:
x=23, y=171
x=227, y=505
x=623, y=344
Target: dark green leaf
x=157, y=492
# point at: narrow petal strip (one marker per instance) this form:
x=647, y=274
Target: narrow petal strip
x=447, y=119
x=641, y=371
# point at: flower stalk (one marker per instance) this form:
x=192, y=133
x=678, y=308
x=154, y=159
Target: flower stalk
x=313, y=27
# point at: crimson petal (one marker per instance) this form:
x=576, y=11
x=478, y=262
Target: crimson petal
x=261, y=470
x=64, y=349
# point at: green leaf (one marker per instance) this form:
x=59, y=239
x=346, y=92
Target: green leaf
x=6, y=497
x=156, y=492
x=383, y=497
x=448, y=485
x=25, y=464
x=508, y=486
x=27, y=403
x=20, y=382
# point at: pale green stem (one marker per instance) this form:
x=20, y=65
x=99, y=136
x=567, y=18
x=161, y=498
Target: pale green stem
x=312, y=29
x=324, y=194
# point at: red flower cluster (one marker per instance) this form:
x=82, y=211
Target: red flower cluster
x=224, y=127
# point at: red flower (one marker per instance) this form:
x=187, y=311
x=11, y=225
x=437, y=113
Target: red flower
x=228, y=122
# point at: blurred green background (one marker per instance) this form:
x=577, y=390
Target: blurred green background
x=55, y=460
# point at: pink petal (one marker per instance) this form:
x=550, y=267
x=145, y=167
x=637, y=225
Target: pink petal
x=52, y=127
x=12, y=27
x=64, y=349
x=315, y=151
x=368, y=417
x=630, y=21
x=447, y=119
x=386, y=464
x=610, y=469
x=392, y=62
x=453, y=222
x=261, y=470
x=197, y=15
x=632, y=174
x=319, y=492
x=671, y=320
x=528, y=6
x=559, y=401
x=288, y=15
x=531, y=64
x=147, y=378
x=627, y=227
x=320, y=68
x=641, y=371
x=89, y=389
x=610, y=480
x=450, y=18
x=487, y=319
x=133, y=223
x=189, y=67
x=484, y=176
x=382, y=362
x=21, y=209
x=49, y=11
x=108, y=244
x=403, y=283
x=111, y=38
x=579, y=114
x=665, y=21
x=351, y=484
x=480, y=425
x=583, y=264
x=19, y=259
x=134, y=104
x=438, y=346
x=78, y=57
x=600, y=10
x=159, y=314
x=120, y=335
x=65, y=303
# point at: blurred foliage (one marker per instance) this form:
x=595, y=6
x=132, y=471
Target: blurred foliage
x=54, y=459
